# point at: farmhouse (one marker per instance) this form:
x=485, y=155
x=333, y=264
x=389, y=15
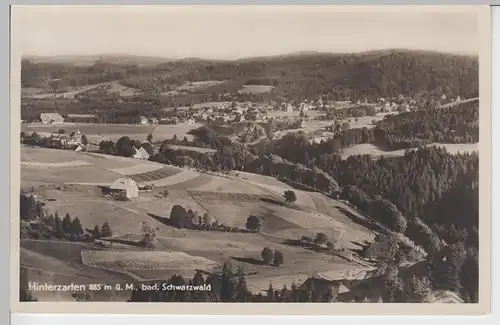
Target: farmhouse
x=51, y=118
x=124, y=188
x=382, y=248
x=141, y=154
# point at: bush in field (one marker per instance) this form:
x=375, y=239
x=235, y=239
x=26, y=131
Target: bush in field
x=278, y=258
x=178, y=216
x=290, y=197
x=148, y=234
x=106, y=230
x=321, y=238
x=267, y=255
x=254, y=223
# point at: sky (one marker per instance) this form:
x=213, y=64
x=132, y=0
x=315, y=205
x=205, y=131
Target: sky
x=236, y=32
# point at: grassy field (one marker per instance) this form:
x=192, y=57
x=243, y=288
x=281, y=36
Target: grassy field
x=152, y=260
x=256, y=89
x=84, y=167
x=196, y=149
x=370, y=149
x=123, y=90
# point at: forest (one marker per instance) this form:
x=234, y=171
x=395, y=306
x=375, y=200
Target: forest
x=295, y=77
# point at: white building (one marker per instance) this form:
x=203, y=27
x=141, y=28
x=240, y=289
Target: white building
x=125, y=187
x=51, y=118
x=141, y=154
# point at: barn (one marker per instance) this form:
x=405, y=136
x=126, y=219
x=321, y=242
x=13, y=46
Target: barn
x=124, y=188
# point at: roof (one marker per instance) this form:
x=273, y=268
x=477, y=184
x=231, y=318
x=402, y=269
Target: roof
x=144, y=153
x=123, y=183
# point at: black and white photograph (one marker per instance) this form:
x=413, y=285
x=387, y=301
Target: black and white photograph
x=253, y=154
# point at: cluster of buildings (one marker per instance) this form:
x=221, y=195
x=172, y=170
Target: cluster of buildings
x=224, y=112
x=65, y=141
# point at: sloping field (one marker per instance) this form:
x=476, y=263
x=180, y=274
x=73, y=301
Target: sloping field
x=87, y=174
x=123, y=90
x=69, y=94
x=77, y=167
x=455, y=148
x=140, y=168
x=370, y=149
x=42, y=262
x=125, y=260
x=196, y=149
x=43, y=155
x=73, y=163
x=152, y=176
x=183, y=176
x=275, y=187
x=123, y=220
x=228, y=185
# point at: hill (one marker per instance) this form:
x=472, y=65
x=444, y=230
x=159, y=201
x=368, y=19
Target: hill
x=303, y=75
x=228, y=199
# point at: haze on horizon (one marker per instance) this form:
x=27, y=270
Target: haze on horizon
x=213, y=33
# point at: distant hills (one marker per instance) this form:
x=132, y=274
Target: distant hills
x=89, y=60
x=297, y=75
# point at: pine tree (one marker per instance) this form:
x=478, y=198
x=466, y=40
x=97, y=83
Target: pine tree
x=97, y=231
x=242, y=292
x=66, y=224
x=58, y=228
x=270, y=293
x=76, y=227
x=227, y=283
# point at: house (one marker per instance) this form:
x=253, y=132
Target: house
x=58, y=141
x=51, y=118
x=124, y=188
x=75, y=138
x=144, y=153
x=322, y=285
x=383, y=247
x=143, y=120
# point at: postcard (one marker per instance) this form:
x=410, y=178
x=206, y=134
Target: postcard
x=300, y=160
